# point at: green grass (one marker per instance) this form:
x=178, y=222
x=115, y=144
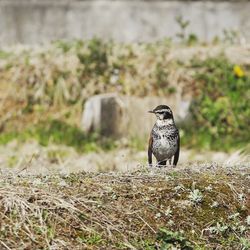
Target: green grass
x=59, y=132
x=4, y=54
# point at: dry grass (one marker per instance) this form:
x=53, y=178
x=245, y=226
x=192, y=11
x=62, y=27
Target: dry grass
x=55, y=80
x=205, y=208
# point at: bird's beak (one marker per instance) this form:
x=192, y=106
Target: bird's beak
x=150, y=111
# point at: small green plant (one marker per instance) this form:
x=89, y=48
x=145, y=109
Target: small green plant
x=192, y=39
x=195, y=196
x=218, y=228
x=245, y=243
x=161, y=76
x=188, y=39
x=170, y=240
x=93, y=239
x=183, y=24
x=148, y=245
x=230, y=36
x=95, y=61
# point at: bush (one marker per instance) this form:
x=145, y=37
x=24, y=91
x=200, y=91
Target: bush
x=220, y=109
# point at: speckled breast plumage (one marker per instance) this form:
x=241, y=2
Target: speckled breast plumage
x=165, y=141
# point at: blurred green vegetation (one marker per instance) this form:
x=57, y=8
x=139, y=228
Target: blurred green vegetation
x=59, y=78
x=59, y=132
x=220, y=110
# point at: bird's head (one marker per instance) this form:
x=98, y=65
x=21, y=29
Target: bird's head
x=163, y=112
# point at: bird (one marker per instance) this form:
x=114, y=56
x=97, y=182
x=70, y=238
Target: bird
x=164, y=140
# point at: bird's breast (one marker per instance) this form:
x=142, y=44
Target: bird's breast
x=163, y=147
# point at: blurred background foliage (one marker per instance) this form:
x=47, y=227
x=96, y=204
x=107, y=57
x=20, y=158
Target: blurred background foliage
x=220, y=109
x=49, y=84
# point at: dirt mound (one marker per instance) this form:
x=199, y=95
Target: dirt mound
x=145, y=209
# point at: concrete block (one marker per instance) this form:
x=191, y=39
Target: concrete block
x=103, y=114
x=127, y=116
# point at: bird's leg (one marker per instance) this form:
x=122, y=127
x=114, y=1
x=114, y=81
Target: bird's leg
x=161, y=164
x=170, y=161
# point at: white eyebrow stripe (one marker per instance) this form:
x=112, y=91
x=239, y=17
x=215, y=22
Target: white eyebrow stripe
x=162, y=110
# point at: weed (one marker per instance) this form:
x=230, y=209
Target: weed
x=93, y=239
x=169, y=239
x=219, y=228
x=195, y=196
x=183, y=24
x=95, y=60
x=188, y=39
x=245, y=243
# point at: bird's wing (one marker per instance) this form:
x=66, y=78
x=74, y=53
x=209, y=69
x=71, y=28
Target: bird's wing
x=150, y=143
x=176, y=155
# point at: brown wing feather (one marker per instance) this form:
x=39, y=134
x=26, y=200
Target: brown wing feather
x=150, y=143
x=176, y=156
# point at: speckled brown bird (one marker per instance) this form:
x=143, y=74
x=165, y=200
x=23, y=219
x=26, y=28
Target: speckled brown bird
x=164, y=141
